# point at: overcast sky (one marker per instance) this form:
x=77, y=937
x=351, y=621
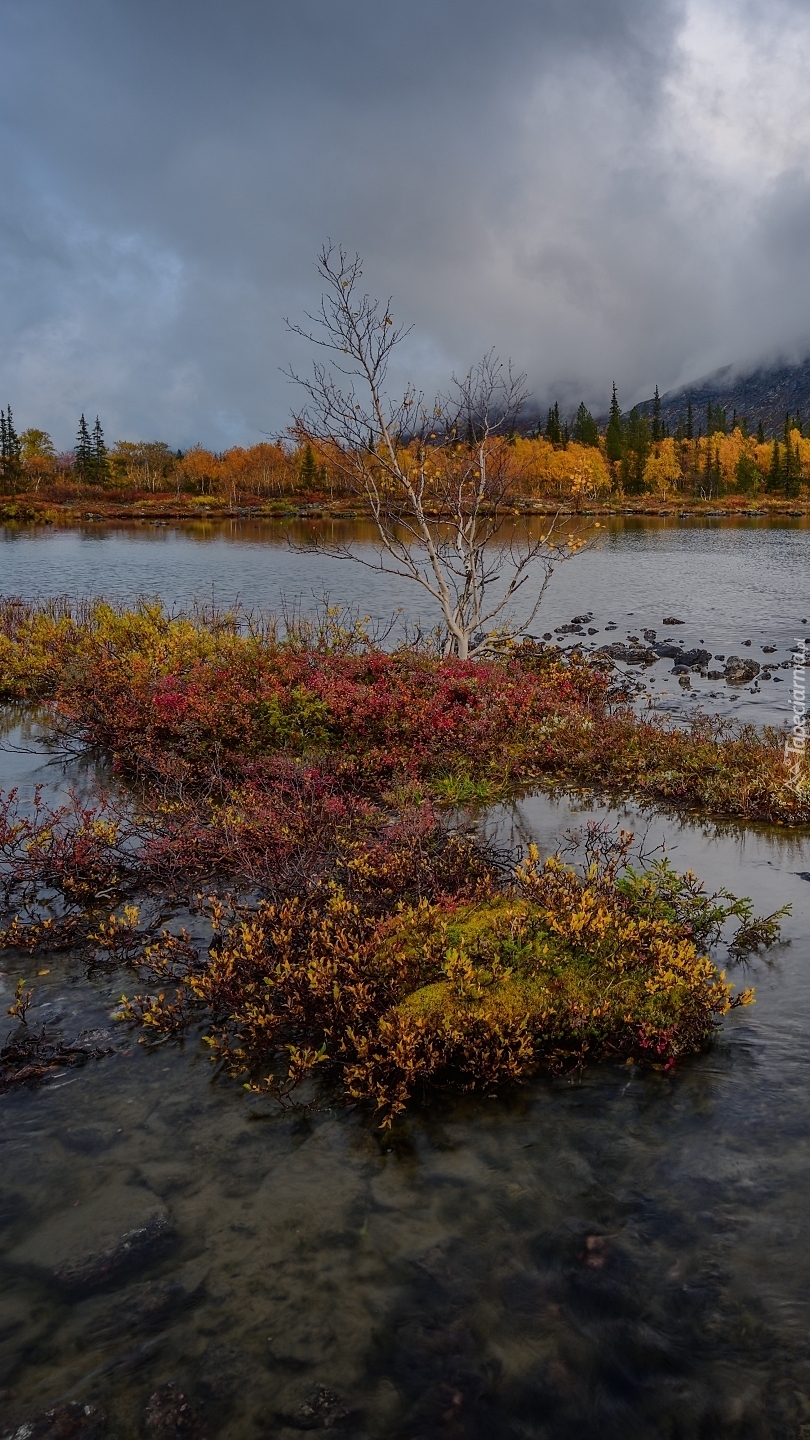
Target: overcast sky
x=602, y=189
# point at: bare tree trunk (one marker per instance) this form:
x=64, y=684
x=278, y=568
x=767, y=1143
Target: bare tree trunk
x=436, y=478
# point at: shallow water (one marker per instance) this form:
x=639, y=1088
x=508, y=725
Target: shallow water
x=621, y=1254
x=729, y=580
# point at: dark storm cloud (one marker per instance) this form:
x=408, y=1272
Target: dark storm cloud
x=613, y=188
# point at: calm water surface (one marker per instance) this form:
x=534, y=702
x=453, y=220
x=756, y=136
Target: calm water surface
x=626, y=1254
x=728, y=580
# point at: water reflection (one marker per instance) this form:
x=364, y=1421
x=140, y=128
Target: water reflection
x=730, y=581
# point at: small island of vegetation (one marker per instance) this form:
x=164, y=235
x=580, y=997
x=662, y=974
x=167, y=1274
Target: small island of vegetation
x=280, y=858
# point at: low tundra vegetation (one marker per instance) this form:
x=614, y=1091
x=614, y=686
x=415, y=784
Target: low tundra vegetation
x=278, y=865
x=215, y=706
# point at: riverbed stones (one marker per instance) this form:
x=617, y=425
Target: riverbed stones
x=740, y=671
x=66, y=1422
x=144, y=1307
x=132, y=1251
x=94, y=1245
x=322, y=1410
x=169, y=1416
x=630, y=654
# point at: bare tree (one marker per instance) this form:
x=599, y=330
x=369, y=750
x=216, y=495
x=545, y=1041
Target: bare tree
x=436, y=477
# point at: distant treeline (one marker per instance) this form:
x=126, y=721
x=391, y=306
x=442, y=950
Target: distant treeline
x=569, y=458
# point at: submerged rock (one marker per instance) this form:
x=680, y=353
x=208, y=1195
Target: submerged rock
x=740, y=671
x=631, y=654
x=687, y=658
x=322, y=1411
x=170, y=1414
x=142, y=1308
x=134, y=1250
x=67, y=1422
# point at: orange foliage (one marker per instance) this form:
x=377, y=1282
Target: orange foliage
x=574, y=473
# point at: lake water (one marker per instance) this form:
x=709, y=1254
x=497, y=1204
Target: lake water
x=728, y=580
x=625, y=1254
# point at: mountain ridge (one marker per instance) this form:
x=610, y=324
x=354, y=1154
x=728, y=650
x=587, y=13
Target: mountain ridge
x=766, y=393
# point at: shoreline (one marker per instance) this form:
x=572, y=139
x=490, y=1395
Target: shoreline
x=163, y=509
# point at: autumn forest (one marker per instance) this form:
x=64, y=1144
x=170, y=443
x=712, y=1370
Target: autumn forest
x=570, y=461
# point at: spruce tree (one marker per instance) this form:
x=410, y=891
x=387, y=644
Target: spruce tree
x=83, y=454
x=553, y=426
x=690, y=429
x=614, y=438
x=636, y=450
x=585, y=429
x=775, y=472
x=747, y=473
x=10, y=451
x=760, y=433
x=793, y=471
x=656, y=418
x=101, y=464
x=309, y=470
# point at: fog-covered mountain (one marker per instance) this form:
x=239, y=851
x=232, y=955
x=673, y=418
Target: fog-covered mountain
x=766, y=394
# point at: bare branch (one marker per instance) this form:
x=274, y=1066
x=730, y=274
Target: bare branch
x=437, y=479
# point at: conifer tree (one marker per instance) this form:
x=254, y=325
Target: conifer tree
x=709, y=464
x=747, y=473
x=585, y=429
x=775, y=472
x=100, y=460
x=690, y=429
x=656, y=418
x=760, y=433
x=614, y=437
x=309, y=470
x=793, y=471
x=553, y=426
x=716, y=419
x=10, y=450
x=83, y=454
x=636, y=450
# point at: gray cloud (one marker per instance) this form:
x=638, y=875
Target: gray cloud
x=603, y=189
